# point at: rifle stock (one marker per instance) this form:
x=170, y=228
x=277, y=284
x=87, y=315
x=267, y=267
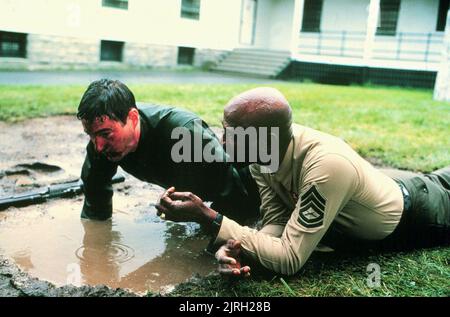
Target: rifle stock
x=68, y=189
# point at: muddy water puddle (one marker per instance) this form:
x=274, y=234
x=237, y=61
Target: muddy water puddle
x=134, y=250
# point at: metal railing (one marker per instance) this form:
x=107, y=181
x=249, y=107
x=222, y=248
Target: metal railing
x=332, y=43
x=417, y=47
x=414, y=47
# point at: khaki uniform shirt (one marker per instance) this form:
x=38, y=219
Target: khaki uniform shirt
x=320, y=180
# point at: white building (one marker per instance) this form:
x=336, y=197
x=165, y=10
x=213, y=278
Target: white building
x=134, y=32
x=342, y=41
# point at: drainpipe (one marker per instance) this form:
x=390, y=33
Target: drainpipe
x=442, y=85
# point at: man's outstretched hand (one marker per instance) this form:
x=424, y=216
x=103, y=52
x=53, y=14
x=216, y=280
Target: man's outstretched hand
x=229, y=259
x=184, y=207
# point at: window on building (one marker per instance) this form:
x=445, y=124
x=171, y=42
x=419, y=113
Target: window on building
x=387, y=22
x=312, y=13
x=120, y=4
x=442, y=15
x=111, y=51
x=13, y=44
x=186, y=55
x=190, y=9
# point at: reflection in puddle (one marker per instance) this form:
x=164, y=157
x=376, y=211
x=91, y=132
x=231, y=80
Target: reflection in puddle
x=134, y=250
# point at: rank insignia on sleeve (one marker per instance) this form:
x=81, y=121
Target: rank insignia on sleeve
x=312, y=208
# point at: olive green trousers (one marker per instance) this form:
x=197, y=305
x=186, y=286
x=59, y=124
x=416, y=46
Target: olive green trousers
x=425, y=220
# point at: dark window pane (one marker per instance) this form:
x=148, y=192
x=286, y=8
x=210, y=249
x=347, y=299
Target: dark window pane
x=186, y=55
x=190, y=9
x=13, y=44
x=389, y=10
x=442, y=15
x=312, y=13
x=111, y=51
x=121, y=4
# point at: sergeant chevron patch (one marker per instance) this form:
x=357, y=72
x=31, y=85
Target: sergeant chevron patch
x=312, y=208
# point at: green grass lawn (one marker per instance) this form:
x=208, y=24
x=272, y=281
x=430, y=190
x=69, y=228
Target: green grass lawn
x=403, y=128
x=418, y=273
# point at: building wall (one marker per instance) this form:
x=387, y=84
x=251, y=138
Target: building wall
x=416, y=45
x=282, y=16
x=262, y=28
x=74, y=52
x=68, y=32
x=442, y=85
x=418, y=16
x=60, y=50
x=150, y=55
x=410, y=58
x=274, y=20
x=206, y=58
x=351, y=15
x=337, y=16
x=416, y=39
x=348, y=15
x=145, y=21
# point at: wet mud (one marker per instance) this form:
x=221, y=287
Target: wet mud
x=47, y=250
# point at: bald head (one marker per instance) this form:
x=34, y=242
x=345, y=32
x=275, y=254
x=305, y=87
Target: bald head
x=259, y=107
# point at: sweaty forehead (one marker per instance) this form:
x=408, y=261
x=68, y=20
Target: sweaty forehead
x=97, y=124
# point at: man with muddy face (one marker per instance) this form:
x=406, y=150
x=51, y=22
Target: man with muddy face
x=322, y=192
x=139, y=139
x=113, y=138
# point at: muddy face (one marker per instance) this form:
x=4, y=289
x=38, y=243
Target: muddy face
x=113, y=138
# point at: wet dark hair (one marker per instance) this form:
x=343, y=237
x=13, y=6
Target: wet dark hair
x=106, y=97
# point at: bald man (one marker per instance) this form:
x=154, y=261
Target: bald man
x=322, y=186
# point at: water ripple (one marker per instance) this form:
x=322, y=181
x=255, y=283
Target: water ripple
x=114, y=252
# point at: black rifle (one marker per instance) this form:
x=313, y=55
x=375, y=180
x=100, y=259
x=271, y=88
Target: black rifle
x=68, y=189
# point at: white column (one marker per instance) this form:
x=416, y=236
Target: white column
x=372, y=22
x=442, y=85
x=296, y=24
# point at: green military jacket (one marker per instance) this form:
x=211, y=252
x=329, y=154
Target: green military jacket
x=218, y=182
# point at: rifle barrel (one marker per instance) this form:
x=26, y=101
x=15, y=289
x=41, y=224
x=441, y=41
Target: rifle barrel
x=41, y=195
